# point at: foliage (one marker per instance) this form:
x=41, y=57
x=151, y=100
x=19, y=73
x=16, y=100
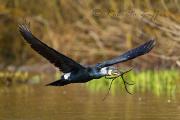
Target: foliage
x=11, y=78
x=73, y=28
x=163, y=82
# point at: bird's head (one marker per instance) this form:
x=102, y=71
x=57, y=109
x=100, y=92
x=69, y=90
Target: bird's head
x=110, y=71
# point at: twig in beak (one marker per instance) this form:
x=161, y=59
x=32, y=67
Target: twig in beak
x=114, y=77
x=109, y=89
x=125, y=82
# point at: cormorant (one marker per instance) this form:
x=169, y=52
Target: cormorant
x=73, y=71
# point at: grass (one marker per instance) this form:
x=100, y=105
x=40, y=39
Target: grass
x=18, y=77
x=162, y=82
x=158, y=82
x=81, y=34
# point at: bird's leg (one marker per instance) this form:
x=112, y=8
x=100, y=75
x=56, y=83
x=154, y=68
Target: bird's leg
x=109, y=88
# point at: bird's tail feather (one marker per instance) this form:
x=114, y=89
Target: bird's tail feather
x=59, y=83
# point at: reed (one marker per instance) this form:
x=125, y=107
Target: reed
x=162, y=82
x=18, y=77
x=108, y=34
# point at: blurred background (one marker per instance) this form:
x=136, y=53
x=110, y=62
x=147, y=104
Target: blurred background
x=89, y=32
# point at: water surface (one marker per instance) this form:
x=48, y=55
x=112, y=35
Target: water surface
x=77, y=102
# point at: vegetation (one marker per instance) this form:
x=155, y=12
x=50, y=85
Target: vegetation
x=162, y=82
x=18, y=77
x=109, y=27
x=158, y=82
x=91, y=31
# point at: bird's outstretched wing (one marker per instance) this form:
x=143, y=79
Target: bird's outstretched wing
x=61, y=82
x=140, y=50
x=64, y=63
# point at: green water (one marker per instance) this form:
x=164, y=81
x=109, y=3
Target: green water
x=79, y=102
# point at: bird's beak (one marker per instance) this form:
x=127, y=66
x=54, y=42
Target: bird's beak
x=113, y=73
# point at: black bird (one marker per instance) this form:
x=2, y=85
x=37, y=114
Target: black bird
x=73, y=71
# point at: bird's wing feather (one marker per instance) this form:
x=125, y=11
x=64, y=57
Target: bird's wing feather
x=64, y=63
x=59, y=83
x=133, y=53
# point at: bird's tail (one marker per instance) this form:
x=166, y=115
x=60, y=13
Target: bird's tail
x=59, y=83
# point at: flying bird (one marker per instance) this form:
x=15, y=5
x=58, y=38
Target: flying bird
x=75, y=72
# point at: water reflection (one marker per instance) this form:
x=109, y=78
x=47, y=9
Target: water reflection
x=156, y=98
x=76, y=102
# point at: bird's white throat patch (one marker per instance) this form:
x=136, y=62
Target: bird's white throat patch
x=67, y=75
x=104, y=70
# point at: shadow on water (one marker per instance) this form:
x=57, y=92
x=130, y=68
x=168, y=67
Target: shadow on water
x=156, y=98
